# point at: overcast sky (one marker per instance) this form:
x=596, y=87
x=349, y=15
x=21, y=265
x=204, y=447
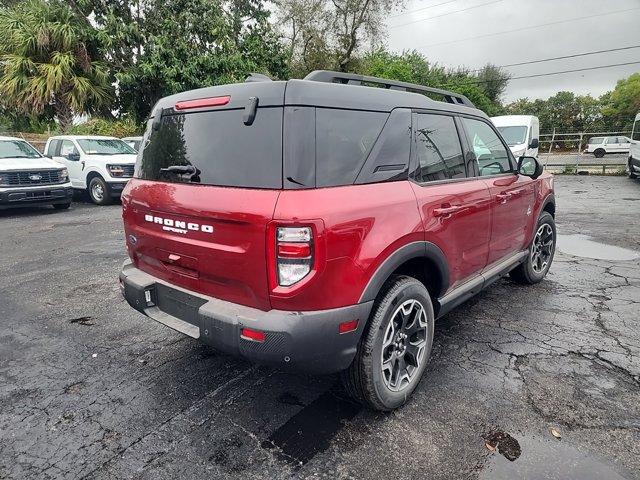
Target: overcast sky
x=445, y=37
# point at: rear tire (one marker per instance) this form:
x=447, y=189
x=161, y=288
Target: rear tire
x=541, y=253
x=599, y=152
x=61, y=206
x=99, y=192
x=395, y=347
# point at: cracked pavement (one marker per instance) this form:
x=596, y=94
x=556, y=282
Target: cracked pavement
x=89, y=388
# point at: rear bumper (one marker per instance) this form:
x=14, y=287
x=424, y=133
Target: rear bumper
x=41, y=195
x=303, y=341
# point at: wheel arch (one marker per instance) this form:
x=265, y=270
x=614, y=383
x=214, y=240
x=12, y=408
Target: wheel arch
x=549, y=205
x=422, y=260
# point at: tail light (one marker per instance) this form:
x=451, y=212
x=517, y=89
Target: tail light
x=294, y=254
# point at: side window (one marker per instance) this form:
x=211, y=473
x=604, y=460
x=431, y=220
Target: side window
x=389, y=158
x=343, y=141
x=438, y=148
x=67, y=147
x=611, y=140
x=53, y=148
x=491, y=155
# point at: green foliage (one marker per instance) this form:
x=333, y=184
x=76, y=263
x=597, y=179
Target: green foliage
x=125, y=127
x=189, y=44
x=566, y=112
x=49, y=59
x=413, y=67
x=623, y=103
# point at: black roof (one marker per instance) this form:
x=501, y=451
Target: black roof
x=330, y=90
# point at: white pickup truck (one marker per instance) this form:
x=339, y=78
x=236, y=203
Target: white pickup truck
x=100, y=165
x=27, y=178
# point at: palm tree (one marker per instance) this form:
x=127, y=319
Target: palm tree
x=47, y=58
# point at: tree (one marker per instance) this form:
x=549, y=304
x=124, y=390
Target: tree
x=622, y=104
x=330, y=34
x=176, y=45
x=413, y=67
x=49, y=59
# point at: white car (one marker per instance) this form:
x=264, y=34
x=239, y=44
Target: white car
x=634, y=149
x=28, y=178
x=521, y=132
x=100, y=165
x=599, y=146
x=133, y=142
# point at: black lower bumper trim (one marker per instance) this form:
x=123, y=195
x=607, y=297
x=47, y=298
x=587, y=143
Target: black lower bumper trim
x=26, y=197
x=303, y=341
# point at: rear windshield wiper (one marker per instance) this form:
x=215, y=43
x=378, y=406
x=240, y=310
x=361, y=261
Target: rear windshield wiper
x=180, y=169
x=189, y=171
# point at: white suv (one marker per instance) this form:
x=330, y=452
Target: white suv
x=601, y=145
x=28, y=178
x=100, y=165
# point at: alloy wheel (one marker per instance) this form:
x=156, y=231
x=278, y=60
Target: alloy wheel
x=542, y=248
x=403, y=345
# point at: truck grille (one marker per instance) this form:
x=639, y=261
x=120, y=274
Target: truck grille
x=26, y=178
x=128, y=170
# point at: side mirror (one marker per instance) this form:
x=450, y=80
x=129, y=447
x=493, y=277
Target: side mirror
x=73, y=157
x=534, y=143
x=529, y=167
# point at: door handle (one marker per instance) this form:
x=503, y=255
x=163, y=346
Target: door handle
x=446, y=211
x=503, y=197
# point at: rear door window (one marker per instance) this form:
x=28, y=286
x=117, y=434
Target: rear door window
x=343, y=141
x=218, y=145
x=438, y=149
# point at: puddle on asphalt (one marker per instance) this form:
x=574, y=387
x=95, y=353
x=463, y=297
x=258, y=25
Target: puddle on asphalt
x=582, y=246
x=311, y=430
x=545, y=459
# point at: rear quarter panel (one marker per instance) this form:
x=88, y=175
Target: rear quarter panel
x=543, y=192
x=361, y=225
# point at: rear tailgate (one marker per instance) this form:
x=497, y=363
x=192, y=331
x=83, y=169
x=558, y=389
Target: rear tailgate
x=207, y=182
x=203, y=238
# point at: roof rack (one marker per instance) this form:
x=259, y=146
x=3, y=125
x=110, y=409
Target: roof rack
x=328, y=76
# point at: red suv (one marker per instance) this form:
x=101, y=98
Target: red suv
x=324, y=224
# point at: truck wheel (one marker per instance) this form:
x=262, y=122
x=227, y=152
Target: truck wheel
x=599, y=152
x=395, y=346
x=632, y=174
x=541, y=252
x=99, y=191
x=61, y=206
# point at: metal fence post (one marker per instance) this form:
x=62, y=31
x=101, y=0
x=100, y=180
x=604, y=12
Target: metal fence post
x=553, y=136
x=579, y=150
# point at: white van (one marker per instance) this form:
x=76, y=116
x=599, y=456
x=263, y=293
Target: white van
x=521, y=132
x=100, y=165
x=634, y=149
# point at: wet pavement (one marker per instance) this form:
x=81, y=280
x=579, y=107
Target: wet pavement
x=91, y=389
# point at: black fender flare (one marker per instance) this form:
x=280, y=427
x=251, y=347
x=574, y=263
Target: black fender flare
x=420, y=249
x=551, y=199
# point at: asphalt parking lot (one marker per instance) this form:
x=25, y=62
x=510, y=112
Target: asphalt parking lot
x=91, y=389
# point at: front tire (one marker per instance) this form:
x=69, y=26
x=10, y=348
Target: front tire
x=541, y=253
x=99, y=192
x=395, y=346
x=599, y=152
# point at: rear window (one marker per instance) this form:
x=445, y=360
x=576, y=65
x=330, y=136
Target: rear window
x=596, y=140
x=221, y=148
x=343, y=141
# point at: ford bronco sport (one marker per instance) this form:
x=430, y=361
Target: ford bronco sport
x=324, y=224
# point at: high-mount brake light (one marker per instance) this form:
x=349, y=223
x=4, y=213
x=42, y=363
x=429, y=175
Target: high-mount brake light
x=294, y=254
x=202, y=102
